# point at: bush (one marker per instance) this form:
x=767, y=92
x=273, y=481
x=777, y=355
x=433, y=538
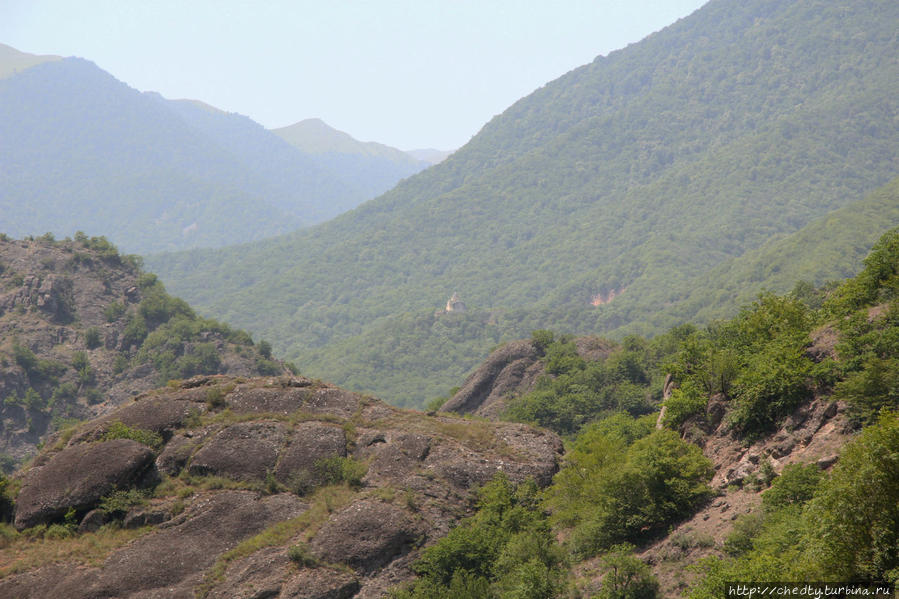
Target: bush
x=118, y=503
x=796, y=484
x=685, y=401
x=856, y=511
x=746, y=528
x=300, y=555
x=114, y=311
x=505, y=550
x=627, y=576
x=336, y=470
x=614, y=495
x=119, y=430
x=92, y=338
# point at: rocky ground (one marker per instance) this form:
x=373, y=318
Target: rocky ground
x=235, y=501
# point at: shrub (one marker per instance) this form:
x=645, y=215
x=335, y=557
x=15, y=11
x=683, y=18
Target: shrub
x=300, y=555
x=627, y=576
x=796, y=484
x=119, y=430
x=118, y=503
x=114, y=311
x=337, y=469
x=92, y=338
x=746, y=528
x=505, y=550
x=614, y=494
x=685, y=401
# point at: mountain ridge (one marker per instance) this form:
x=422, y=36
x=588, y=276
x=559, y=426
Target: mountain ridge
x=82, y=150
x=636, y=172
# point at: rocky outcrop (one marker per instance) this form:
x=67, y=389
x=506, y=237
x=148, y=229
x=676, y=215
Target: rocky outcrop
x=367, y=535
x=339, y=541
x=77, y=477
x=243, y=451
x=511, y=371
x=70, y=340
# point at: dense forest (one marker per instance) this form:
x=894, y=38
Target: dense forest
x=626, y=481
x=631, y=176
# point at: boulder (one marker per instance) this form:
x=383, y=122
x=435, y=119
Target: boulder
x=393, y=460
x=243, y=451
x=309, y=443
x=77, y=477
x=170, y=561
x=365, y=535
x=483, y=383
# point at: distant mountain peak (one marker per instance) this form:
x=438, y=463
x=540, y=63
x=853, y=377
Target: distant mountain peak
x=13, y=61
x=314, y=136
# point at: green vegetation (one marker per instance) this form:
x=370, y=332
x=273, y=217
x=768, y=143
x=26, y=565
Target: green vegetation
x=192, y=177
x=575, y=392
x=335, y=470
x=63, y=368
x=627, y=577
x=638, y=174
x=841, y=527
x=758, y=362
x=119, y=430
x=505, y=550
x=622, y=483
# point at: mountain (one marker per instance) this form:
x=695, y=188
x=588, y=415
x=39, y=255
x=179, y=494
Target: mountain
x=314, y=136
x=12, y=61
x=80, y=150
x=622, y=179
x=84, y=329
x=374, y=166
x=430, y=155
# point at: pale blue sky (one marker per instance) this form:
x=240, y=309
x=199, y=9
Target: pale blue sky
x=408, y=73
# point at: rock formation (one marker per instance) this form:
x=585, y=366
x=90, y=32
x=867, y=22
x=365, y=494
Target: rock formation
x=245, y=496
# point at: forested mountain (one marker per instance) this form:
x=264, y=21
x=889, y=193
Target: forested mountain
x=621, y=180
x=81, y=150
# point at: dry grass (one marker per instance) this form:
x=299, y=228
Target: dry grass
x=476, y=434
x=24, y=554
x=322, y=503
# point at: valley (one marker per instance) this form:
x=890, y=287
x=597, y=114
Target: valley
x=638, y=338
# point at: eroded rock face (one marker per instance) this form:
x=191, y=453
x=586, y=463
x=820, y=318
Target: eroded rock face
x=361, y=540
x=243, y=451
x=310, y=443
x=511, y=371
x=504, y=371
x=77, y=477
x=366, y=535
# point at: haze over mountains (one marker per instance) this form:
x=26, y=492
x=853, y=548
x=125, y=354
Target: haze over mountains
x=627, y=178
x=81, y=150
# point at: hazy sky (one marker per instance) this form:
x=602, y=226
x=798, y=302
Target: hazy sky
x=408, y=73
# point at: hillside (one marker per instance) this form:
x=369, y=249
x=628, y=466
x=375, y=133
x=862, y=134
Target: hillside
x=701, y=456
x=625, y=178
x=80, y=150
x=275, y=487
x=83, y=329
